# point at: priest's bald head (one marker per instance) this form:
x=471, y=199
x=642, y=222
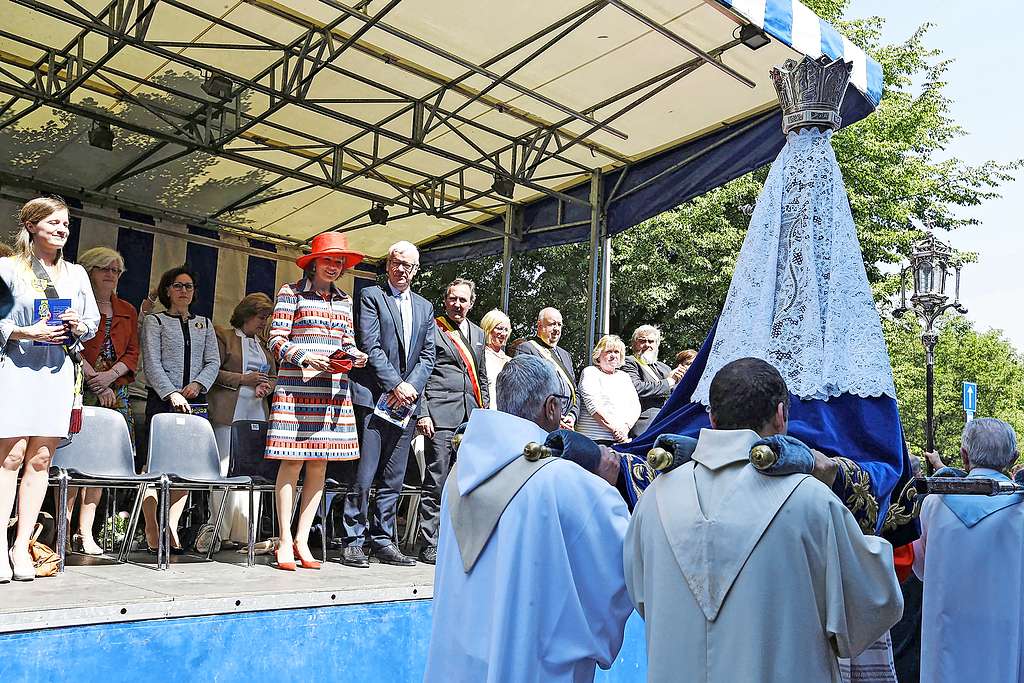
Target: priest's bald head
x=528, y=387
x=749, y=393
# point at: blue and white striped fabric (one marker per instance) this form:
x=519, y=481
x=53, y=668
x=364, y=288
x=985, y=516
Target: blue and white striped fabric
x=794, y=24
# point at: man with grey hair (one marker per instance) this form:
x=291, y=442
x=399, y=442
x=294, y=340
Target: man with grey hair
x=652, y=379
x=971, y=559
x=529, y=583
x=545, y=345
x=395, y=327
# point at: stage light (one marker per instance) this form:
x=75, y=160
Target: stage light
x=753, y=37
x=217, y=86
x=101, y=136
x=378, y=214
x=503, y=185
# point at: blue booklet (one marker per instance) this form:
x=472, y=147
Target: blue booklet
x=49, y=310
x=397, y=416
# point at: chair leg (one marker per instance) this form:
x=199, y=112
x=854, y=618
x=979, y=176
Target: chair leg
x=323, y=525
x=163, y=553
x=250, y=557
x=133, y=523
x=62, y=519
x=217, y=522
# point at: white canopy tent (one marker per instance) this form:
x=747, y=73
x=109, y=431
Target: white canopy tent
x=276, y=120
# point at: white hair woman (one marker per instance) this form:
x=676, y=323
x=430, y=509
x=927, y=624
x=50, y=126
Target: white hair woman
x=610, y=402
x=496, y=327
x=39, y=347
x=110, y=359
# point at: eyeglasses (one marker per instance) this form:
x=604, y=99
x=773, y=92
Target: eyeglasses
x=402, y=265
x=113, y=270
x=643, y=340
x=566, y=402
x=183, y=286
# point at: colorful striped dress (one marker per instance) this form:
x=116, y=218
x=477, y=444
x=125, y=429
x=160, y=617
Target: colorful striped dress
x=310, y=420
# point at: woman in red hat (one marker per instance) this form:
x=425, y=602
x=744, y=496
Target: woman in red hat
x=311, y=420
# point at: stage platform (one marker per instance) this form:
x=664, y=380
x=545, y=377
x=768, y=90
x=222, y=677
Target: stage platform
x=222, y=621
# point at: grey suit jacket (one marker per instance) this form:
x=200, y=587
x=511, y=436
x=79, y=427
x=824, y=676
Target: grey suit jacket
x=530, y=348
x=652, y=392
x=449, y=392
x=379, y=335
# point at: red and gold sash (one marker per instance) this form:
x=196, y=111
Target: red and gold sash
x=465, y=353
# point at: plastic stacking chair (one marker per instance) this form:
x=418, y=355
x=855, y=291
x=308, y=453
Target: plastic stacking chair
x=183, y=452
x=99, y=455
x=248, y=444
x=412, y=494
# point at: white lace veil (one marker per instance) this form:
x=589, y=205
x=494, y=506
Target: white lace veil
x=799, y=296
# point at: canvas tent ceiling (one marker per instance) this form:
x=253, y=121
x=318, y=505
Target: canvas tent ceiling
x=329, y=107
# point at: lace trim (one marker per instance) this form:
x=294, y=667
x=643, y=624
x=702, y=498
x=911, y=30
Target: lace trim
x=799, y=296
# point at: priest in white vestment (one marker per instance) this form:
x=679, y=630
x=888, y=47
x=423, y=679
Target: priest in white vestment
x=971, y=559
x=742, y=577
x=529, y=585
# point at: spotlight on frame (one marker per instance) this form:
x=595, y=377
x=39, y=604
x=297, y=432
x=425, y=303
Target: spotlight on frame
x=101, y=136
x=378, y=214
x=753, y=37
x=217, y=86
x=503, y=185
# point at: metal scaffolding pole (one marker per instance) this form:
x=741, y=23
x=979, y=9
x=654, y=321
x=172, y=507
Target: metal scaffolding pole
x=506, y=259
x=596, y=223
x=606, y=279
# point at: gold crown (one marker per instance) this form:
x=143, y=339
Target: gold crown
x=811, y=91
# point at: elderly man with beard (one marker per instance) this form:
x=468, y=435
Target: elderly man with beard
x=545, y=345
x=652, y=379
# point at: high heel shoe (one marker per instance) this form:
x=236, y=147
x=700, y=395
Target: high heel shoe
x=306, y=564
x=22, y=571
x=278, y=564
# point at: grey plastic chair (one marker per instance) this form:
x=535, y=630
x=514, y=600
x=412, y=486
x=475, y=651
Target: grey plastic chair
x=183, y=452
x=99, y=455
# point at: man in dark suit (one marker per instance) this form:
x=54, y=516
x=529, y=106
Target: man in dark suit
x=457, y=387
x=545, y=345
x=652, y=379
x=395, y=328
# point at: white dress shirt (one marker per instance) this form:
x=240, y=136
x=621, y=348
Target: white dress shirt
x=404, y=301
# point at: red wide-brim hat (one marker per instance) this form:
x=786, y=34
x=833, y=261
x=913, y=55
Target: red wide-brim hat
x=330, y=244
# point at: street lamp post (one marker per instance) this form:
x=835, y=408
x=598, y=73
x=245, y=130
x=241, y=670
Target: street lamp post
x=931, y=262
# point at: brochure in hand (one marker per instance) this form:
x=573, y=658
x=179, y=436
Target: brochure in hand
x=398, y=416
x=341, y=362
x=49, y=310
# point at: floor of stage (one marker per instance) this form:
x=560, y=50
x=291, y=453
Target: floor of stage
x=97, y=590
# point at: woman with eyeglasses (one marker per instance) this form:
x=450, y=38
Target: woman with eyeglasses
x=38, y=353
x=179, y=350
x=109, y=362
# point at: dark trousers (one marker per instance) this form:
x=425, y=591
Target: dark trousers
x=438, y=455
x=383, y=455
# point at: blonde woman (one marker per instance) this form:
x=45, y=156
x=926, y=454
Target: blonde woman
x=110, y=359
x=610, y=402
x=496, y=327
x=37, y=374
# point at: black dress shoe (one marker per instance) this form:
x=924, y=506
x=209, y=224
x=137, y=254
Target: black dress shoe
x=390, y=554
x=353, y=556
x=428, y=554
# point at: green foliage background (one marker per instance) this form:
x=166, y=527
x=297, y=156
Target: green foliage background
x=674, y=269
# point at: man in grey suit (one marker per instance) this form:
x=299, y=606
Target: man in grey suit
x=457, y=386
x=545, y=345
x=652, y=379
x=395, y=328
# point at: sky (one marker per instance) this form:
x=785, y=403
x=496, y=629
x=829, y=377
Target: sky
x=984, y=40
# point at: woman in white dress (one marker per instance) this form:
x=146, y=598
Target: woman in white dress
x=610, y=402
x=496, y=327
x=246, y=379
x=37, y=376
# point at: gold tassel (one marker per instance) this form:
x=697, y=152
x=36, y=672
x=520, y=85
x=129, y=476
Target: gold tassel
x=535, y=451
x=762, y=457
x=658, y=458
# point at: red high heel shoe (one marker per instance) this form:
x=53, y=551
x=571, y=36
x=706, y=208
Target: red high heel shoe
x=284, y=566
x=305, y=564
